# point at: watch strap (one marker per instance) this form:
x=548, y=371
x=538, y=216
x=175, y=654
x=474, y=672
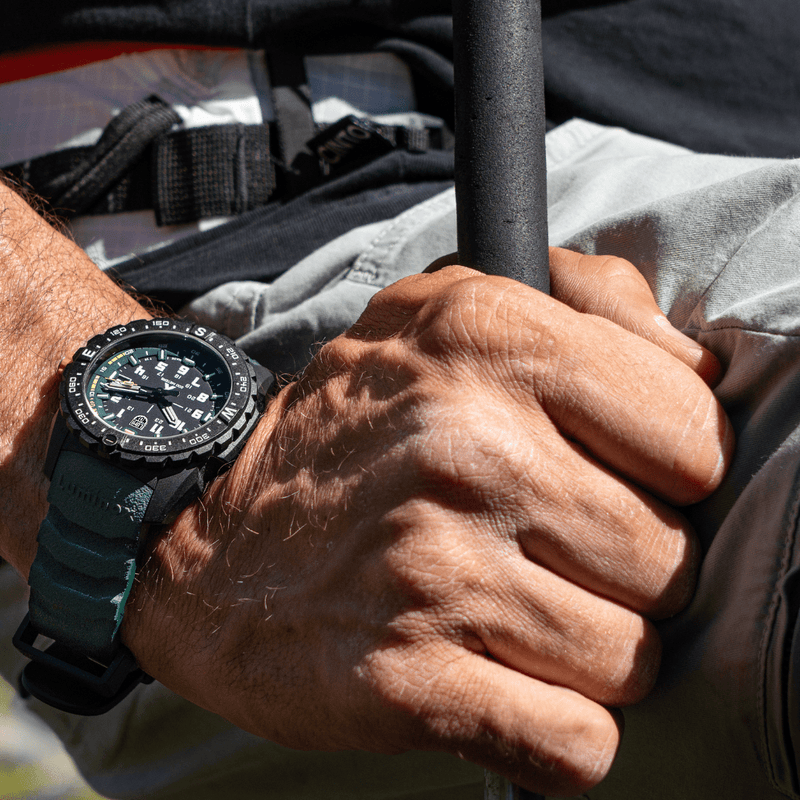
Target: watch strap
x=87, y=549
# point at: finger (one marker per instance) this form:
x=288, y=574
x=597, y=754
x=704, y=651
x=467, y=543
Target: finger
x=613, y=288
x=631, y=404
x=609, y=536
x=545, y=738
x=567, y=636
x=638, y=410
x=481, y=589
x=568, y=512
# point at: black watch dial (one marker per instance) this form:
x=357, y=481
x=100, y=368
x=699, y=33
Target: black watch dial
x=161, y=389
x=161, y=386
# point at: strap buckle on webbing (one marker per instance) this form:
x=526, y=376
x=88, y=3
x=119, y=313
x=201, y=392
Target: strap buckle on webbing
x=338, y=149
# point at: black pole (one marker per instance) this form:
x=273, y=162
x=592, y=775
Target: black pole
x=501, y=171
x=501, y=178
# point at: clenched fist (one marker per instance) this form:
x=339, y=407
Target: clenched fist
x=450, y=533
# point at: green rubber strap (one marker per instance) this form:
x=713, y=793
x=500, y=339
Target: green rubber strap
x=86, y=559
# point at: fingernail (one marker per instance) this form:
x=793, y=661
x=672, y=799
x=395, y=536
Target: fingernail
x=664, y=323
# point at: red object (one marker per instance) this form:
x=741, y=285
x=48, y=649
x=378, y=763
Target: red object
x=57, y=58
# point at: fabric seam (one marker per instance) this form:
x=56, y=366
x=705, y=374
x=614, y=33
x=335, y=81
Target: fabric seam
x=366, y=267
x=790, y=536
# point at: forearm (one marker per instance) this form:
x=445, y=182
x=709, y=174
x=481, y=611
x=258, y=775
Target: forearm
x=52, y=299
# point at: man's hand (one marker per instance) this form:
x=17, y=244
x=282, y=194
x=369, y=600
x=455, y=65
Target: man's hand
x=451, y=532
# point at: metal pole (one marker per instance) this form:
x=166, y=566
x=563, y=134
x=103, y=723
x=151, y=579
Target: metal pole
x=501, y=173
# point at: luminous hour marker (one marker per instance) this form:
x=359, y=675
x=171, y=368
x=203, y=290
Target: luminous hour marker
x=188, y=362
x=162, y=355
x=133, y=360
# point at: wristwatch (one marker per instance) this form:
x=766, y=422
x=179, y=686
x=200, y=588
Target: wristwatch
x=149, y=413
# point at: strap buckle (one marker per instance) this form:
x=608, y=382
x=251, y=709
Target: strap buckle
x=338, y=149
x=72, y=682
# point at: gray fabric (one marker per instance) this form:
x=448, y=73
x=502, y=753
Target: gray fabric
x=717, y=238
x=280, y=323
x=721, y=252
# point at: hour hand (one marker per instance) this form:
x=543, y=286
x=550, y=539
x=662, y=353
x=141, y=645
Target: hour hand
x=171, y=416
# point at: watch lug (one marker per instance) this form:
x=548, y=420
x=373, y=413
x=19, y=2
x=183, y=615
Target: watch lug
x=171, y=494
x=58, y=435
x=264, y=378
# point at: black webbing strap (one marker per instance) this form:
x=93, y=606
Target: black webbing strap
x=216, y=171
x=121, y=144
x=291, y=100
x=183, y=175
x=196, y=173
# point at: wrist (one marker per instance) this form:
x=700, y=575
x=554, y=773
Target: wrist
x=173, y=597
x=52, y=300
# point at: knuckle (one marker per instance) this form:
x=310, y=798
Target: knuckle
x=632, y=661
x=393, y=307
x=573, y=760
x=590, y=756
x=452, y=311
x=589, y=282
x=424, y=689
x=616, y=267
x=674, y=567
x=703, y=449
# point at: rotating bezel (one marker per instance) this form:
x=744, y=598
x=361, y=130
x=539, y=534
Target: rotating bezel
x=207, y=439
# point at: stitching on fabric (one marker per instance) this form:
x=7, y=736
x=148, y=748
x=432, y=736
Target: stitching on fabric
x=742, y=328
x=366, y=267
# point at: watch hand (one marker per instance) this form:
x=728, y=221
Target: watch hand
x=145, y=392
x=172, y=418
x=122, y=386
x=155, y=392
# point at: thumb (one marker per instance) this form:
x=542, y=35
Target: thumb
x=613, y=288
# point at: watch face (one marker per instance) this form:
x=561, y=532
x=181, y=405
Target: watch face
x=159, y=387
